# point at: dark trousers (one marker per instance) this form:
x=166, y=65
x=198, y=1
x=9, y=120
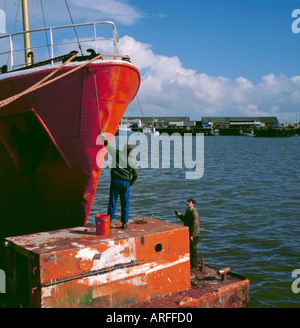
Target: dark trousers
x=119, y=187
x=193, y=251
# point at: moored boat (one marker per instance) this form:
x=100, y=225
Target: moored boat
x=150, y=130
x=50, y=115
x=124, y=128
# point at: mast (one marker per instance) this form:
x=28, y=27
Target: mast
x=26, y=28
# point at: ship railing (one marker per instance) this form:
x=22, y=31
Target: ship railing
x=51, y=42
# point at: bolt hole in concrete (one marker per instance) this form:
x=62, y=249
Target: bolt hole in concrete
x=158, y=247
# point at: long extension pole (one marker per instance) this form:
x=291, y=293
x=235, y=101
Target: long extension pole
x=159, y=164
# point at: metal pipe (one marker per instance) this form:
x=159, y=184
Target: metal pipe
x=11, y=52
x=26, y=28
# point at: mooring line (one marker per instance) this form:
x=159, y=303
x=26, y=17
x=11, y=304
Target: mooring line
x=97, y=101
x=39, y=84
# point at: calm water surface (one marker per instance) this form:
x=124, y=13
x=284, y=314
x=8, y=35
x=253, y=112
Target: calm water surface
x=249, y=205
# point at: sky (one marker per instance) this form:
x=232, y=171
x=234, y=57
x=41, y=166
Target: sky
x=199, y=57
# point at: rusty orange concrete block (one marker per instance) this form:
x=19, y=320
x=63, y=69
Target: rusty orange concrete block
x=77, y=268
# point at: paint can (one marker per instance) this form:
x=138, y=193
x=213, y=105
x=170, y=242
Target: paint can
x=102, y=224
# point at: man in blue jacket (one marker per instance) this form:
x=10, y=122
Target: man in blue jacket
x=122, y=176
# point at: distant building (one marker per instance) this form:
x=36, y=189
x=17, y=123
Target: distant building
x=289, y=124
x=162, y=121
x=239, y=122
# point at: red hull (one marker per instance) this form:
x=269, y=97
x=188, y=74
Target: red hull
x=48, y=169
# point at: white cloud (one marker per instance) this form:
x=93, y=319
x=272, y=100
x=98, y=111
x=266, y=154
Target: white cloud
x=118, y=10
x=167, y=88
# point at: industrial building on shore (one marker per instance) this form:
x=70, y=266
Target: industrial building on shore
x=256, y=126
x=215, y=122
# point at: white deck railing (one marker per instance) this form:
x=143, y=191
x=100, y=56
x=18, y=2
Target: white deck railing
x=47, y=43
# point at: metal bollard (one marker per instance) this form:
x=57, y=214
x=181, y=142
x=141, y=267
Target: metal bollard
x=223, y=273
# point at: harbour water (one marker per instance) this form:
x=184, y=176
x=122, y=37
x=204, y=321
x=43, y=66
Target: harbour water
x=249, y=205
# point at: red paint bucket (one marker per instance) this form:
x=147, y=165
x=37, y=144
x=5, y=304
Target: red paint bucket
x=102, y=224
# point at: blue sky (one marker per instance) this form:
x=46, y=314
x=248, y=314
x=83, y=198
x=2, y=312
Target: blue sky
x=200, y=57
x=222, y=37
